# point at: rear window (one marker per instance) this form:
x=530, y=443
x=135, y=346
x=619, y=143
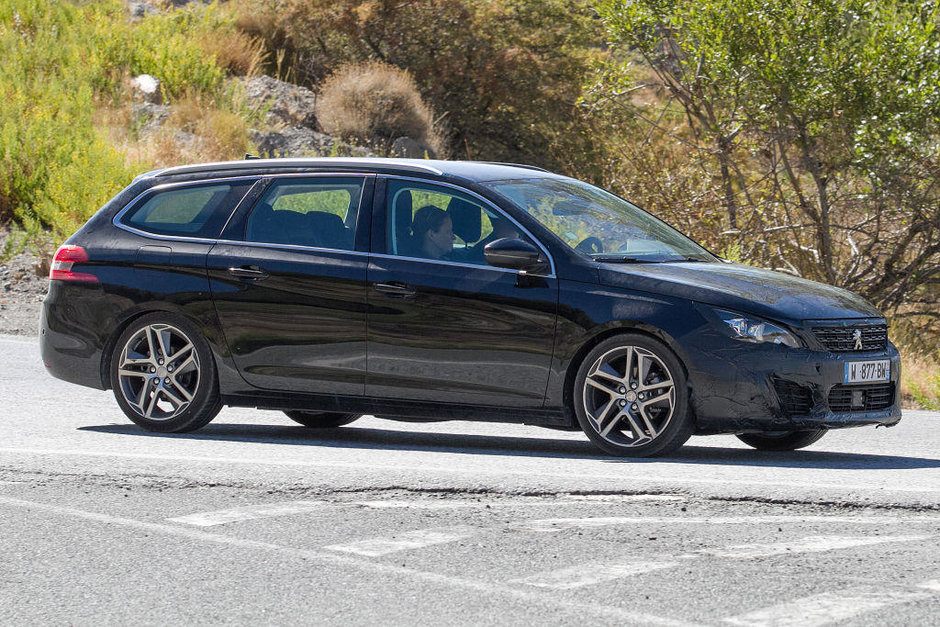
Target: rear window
x=192, y=211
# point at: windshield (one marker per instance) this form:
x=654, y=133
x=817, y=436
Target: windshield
x=598, y=224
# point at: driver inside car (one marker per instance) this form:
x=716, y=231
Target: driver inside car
x=432, y=233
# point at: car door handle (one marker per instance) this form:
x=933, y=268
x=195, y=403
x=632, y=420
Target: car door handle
x=248, y=272
x=394, y=290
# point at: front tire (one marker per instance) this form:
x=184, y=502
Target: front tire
x=321, y=419
x=784, y=441
x=631, y=397
x=163, y=375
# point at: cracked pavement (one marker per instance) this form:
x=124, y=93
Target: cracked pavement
x=255, y=519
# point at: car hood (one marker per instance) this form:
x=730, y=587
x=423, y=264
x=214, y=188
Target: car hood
x=742, y=288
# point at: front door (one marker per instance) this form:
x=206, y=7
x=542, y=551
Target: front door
x=291, y=292
x=443, y=325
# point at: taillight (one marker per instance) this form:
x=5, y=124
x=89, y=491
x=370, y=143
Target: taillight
x=65, y=258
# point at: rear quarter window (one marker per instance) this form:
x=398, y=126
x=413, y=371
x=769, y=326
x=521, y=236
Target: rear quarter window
x=191, y=211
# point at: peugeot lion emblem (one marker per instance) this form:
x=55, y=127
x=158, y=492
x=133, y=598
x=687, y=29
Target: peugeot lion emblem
x=857, y=336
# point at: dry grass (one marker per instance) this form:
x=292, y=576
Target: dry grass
x=920, y=382
x=196, y=131
x=237, y=52
x=375, y=103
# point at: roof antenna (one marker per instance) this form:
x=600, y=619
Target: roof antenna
x=248, y=156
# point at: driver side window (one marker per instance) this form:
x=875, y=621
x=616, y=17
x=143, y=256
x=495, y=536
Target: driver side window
x=431, y=222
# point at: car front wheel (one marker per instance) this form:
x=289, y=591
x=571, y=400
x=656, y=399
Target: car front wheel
x=631, y=397
x=782, y=441
x=163, y=375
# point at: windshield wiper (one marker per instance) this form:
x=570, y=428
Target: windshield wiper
x=620, y=259
x=682, y=260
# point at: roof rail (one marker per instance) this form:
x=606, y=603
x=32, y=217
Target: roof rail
x=392, y=164
x=518, y=165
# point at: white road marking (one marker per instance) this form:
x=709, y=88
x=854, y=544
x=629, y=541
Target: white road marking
x=249, y=512
x=811, y=544
x=933, y=585
x=375, y=547
x=453, y=469
x=826, y=608
x=622, y=498
x=589, y=574
x=497, y=590
x=527, y=501
x=551, y=525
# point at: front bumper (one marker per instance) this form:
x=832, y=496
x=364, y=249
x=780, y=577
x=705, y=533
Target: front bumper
x=740, y=387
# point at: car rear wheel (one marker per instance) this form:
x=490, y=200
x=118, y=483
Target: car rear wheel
x=321, y=419
x=163, y=375
x=631, y=397
x=782, y=441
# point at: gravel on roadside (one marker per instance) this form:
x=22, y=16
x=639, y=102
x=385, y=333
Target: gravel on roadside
x=23, y=285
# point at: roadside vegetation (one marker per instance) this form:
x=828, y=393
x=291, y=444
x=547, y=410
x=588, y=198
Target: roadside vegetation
x=802, y=135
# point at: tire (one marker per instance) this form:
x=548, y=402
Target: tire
x=321, y=419
x=783, y=441
x=163, y=375
x=623, y=415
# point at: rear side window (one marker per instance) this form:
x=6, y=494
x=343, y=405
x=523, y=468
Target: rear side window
x=196, y=211
x=319, y=212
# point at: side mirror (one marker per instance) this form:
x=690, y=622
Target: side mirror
x=515, y=254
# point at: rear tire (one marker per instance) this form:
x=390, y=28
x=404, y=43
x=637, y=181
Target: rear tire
x=163, y=375
x=785, y=441
x=321, y=419
x=631, y=397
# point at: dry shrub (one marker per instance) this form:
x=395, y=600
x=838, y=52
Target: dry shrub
x=195, y=131
x=920, y=381
x=375, y=103
x=236, y=52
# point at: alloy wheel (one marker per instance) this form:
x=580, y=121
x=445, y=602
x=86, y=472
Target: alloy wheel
x=159, y=372
x=629, y=396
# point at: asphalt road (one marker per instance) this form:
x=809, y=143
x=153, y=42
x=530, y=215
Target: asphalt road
x=256, y=520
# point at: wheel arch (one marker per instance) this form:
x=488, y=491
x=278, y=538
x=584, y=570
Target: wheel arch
x=128, y=320
x=623, y=328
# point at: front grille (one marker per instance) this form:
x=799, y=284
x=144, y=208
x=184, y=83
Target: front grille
x=874, y=337
x=872, y=397
x=795, y=400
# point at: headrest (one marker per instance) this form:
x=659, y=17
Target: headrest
x=402, y=214
x=325, y=221
x=467, y=219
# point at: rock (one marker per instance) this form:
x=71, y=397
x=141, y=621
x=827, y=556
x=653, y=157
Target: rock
x=411, y=149
x=286, y=104
x=147, y=88
x=297, y=141
x=148, y=117
x=300, y=141
x=140, y=10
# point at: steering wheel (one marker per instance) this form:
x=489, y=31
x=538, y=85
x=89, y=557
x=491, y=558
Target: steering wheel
x=590, y=246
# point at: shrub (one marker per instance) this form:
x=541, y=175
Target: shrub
x=375, y=103
x=505, y=74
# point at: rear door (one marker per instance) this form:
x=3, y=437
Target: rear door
x=454, y=329
x=289, y=284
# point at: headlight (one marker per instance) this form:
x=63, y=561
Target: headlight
x=752, y=329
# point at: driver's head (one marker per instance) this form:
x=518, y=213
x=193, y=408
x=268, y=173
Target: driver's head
x=433, y=231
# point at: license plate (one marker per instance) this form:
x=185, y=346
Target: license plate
x=865, y=371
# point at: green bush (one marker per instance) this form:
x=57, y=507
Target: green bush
x=60, y=62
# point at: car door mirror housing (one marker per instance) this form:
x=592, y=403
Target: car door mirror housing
x=516, y=254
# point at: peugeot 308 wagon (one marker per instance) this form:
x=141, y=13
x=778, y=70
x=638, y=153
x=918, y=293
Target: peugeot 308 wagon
x=439, y=290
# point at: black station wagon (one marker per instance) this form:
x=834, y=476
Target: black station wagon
x=439, y=290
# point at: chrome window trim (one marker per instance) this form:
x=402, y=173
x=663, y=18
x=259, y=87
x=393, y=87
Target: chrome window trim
x=402, y=164
x=156, y=188
x=484, y=201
